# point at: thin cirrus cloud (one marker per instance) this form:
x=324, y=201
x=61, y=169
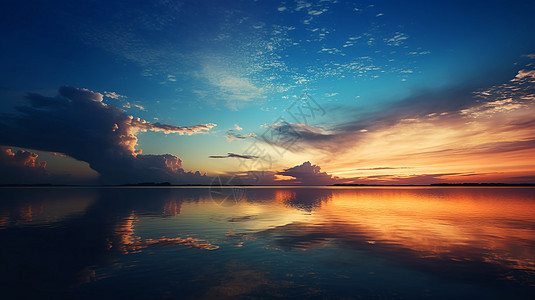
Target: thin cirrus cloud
x=113, y=95
x=78, y=124
x=234, y=155
x=231, y=88
x=298, y=137
x=381, y=168
x=233, y=134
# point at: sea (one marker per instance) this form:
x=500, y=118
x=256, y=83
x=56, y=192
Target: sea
x=267, y=242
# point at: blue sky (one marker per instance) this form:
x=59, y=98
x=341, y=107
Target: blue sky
x=188, y=63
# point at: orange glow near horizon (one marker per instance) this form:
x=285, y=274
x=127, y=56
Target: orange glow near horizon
x=492, y=145
x=435, y=223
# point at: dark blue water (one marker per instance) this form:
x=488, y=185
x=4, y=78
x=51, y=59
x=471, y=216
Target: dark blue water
x=317, y=243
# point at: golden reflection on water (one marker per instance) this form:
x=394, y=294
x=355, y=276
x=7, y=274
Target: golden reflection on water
x=491, y=225
x=434, y=224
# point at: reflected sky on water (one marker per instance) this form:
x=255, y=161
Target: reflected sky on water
x=403, y=242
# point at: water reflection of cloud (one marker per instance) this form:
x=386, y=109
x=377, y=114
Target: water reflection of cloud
x=172, y=208
x=303, y=199
x=125, y=241
x=242, y=218
x=82, y=228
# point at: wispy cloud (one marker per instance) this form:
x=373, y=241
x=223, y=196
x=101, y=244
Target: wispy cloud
x=142, y=125
x=234, y=155
x=140, y=107
x=397, y=40
x=113, y=95
x=234, y=90
x=382, y=168
x=233, y=134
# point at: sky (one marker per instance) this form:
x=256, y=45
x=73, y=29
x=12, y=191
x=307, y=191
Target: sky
x=267, y=92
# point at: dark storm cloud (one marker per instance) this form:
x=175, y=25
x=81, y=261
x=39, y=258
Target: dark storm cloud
x=79, y=124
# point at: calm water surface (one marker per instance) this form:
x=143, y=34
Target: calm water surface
x=324, y=243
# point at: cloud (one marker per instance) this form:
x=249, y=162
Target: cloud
x=233, y=88
x=315, y=12
x=21, y=158
x=382, y=168
x=304, y=174
x=296, y=137
x=308, y=174
x=232, y=135
x=233, y=155
x=525, y=74
x=413, y=179
x=330, y=94
x=397, y=40
x=21, y=167
x=78, y=124
x=113, y=95
x=140, y=107
x=143, y=125
x=420, y=53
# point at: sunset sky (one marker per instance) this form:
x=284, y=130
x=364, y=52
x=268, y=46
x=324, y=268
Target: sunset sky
x=274, y=92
